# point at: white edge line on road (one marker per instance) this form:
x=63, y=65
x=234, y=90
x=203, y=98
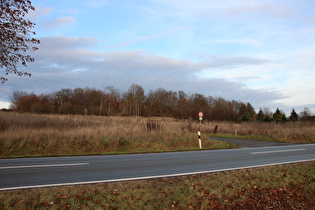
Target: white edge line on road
x=288, y=150
x=40, y=166
x=148, y=177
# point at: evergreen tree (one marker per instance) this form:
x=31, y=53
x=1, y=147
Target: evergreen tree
x=294, y=116
x=279, y=116
x=260, y=116
x=250, y=112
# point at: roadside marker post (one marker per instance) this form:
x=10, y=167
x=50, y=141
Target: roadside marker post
x=199, y=132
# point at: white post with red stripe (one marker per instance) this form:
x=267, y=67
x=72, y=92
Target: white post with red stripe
x=199, y=132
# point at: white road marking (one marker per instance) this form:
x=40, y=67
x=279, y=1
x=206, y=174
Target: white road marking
x=148, y=177
x=288, y=150
x=40, y=166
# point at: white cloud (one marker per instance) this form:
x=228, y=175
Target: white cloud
x=60, y=22
x=228, y=8
x=137, y=39
x=266, y=10
x=4, y=105
x=63, y=42
x=40, y=12
x=173, y=31
x=223, y=61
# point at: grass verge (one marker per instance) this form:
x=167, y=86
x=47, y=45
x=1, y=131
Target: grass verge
x=248, y=137
x=213, y=145
x=288, y=186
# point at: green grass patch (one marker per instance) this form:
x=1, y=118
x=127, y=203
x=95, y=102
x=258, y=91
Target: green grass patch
x=248, y=137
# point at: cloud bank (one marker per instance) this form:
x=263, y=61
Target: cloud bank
x=67, y=62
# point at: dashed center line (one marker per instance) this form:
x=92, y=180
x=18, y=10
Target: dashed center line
x=288, y=150
x=42, y=166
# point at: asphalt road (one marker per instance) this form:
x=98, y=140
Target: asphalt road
x=59, y=171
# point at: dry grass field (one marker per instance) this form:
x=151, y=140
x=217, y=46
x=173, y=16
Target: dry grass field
x=28, y=134
x=46, y=135
x=290, y=132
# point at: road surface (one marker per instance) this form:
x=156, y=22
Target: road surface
x=58, y=171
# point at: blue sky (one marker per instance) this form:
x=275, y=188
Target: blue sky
x=255, y=51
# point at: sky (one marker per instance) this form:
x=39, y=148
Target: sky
x=262, y=52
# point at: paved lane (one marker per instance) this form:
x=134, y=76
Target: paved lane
x=58, y=171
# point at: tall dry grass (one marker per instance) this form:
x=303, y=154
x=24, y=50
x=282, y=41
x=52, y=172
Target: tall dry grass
x=29, y=134
x=293, y=132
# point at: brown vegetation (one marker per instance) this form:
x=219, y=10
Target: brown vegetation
x=31, y=134
x=274, y=187
x=291, y=132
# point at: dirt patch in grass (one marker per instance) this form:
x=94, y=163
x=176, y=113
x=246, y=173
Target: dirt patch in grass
x=289, y=186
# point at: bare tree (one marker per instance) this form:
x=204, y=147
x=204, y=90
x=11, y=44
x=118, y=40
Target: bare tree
x=15, y=31
x=135, y=98
x=113, y=96
x=15, y=98
x=305, y=114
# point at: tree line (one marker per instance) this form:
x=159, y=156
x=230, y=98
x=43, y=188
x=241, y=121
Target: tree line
x=134, y=102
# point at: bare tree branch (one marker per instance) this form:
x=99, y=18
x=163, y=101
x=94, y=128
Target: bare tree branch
x=15, y=40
